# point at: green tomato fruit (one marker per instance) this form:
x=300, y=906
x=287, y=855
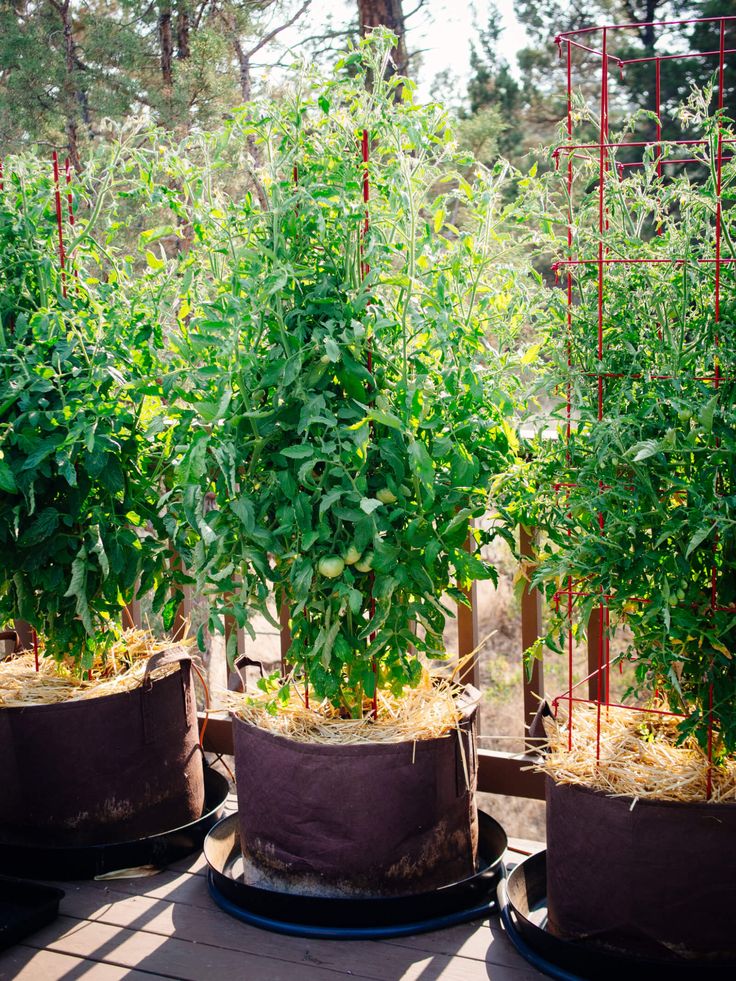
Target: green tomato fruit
x=366, y=563
x=331, y=567
x=684, y=415
x=386, y=496
x=351, y=556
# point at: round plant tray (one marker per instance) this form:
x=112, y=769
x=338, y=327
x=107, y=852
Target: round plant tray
x=24, y=908
x=40, y=857
x=352, y=918
x=523, y=898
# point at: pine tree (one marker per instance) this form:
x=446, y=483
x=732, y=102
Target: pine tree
x=69, y=64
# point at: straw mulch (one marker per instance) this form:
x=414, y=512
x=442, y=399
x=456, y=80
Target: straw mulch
x=121, y=669
x=431, y=710
x=639, y=757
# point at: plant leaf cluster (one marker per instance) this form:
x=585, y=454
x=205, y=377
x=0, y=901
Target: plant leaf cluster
x=638, y=506
x=347, y=396
x=80, y=456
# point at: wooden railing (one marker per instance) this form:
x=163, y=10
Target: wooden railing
x=499, y=772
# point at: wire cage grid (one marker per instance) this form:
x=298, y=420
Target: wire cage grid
x=604, y=149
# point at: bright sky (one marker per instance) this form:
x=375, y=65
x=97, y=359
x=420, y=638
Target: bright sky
x=442, y=31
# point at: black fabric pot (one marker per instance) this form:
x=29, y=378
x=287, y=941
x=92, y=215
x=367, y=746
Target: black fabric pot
x=362, y=820
x=104, y=769
x=656, y=878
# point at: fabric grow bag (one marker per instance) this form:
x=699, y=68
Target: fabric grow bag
x=116, y=767
x=360, y=820
x=651, y=878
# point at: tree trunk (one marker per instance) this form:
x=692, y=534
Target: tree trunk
x=243, y=68
x=72, y=142
x=182, y=33
x=72, y=91
x=386, y=13
x=83, y=100
x=244, y=75
x=167, y=46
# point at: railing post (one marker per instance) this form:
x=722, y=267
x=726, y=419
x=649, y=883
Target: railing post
x=25, y=635
x=531, y=625
x=596, y=689
x=285, y=635
x=183, y=614
x=131, y=615
x=467, y=630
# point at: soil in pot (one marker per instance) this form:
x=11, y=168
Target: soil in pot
x=356, y=817
x=87, y=763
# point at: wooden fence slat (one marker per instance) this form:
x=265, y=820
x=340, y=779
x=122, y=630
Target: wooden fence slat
x=183, y=614
x=467, y=629
x=285, y=635
x=595, y=639
x=132, y=616
x=531, y=630
x=509, y=774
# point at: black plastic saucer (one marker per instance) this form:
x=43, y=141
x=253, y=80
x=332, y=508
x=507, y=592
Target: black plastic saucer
x=523, y=898
x=349, y=918
x=24, y=908
x=42, y=859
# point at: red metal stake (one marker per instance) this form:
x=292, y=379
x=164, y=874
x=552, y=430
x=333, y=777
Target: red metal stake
x=658, y=112
x=59, y=223
x=601, y=211
x=569, y=659
x=70, y=201
x=717, y=318
x=709, y=778
x=35, y=651
x=568, y=406
x=364, y=270
x=295, y=178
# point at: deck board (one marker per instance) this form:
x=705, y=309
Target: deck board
x=166, y=926
x=28, y=964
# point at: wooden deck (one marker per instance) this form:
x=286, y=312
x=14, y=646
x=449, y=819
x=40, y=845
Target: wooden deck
x=166, y=926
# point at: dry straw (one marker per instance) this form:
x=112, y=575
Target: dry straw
x=639, y=757
x=431, y=710
x=122, y=669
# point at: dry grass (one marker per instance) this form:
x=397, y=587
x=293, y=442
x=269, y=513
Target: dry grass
x=122, y=669
x=639, y=757
x=431, y=710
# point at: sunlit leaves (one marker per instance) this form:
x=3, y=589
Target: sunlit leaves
x=79, y=447
x=639, y=503
x=366, y=417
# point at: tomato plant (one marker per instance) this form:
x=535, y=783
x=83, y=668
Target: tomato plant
x=79, y=454
x=346, y=401
x=639, y=505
